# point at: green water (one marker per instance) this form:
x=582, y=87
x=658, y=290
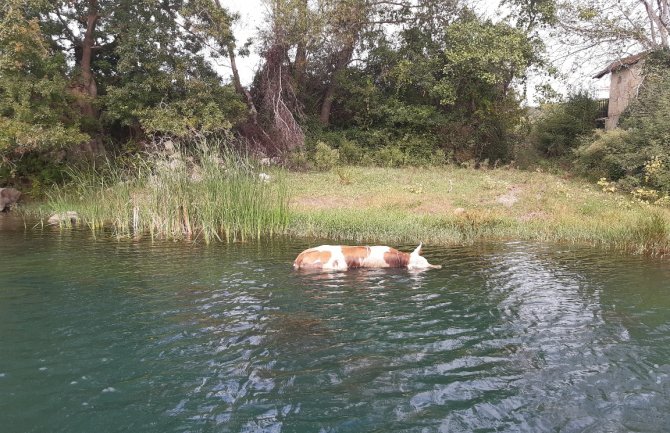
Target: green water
x=106, y=336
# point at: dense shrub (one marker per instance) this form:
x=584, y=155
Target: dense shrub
x=325, y=157
x=334, y=148
x=560, y=126
x=390, y=156
x=607, y=154
x=350, y=152
x=638, y=154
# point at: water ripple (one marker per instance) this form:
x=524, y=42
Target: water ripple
x=162, y=337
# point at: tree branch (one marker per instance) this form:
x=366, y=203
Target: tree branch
x=74, y=39
x=657, y=20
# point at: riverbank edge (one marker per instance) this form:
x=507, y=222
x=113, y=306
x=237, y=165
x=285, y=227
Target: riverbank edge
x=444, y=206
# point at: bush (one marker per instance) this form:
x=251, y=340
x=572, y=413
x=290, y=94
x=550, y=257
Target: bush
x=636, y=156
x=561, y=126
x=298, y=159
x=325, y=157
x=350, y=152
x=326, y=149
x=390, y=156
x=608, y=154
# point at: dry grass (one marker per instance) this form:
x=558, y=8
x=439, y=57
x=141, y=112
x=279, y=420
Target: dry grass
x=439, y=205
x=449, y=204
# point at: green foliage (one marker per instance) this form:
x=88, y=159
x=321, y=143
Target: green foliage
x=212, y=193
x=636, y=156
x=390, y=156
x=605, y=155
x=201, y=112
x=481, y=56
x=298, y=159
x=36, y=171
x=325, y=157
x=561, y=126
x=449, y=93
x=150, y=74
x=438, y=86
x=327, y=149
x=534, y=12
x=350, y=152
x=647, y=115
x=164, y=85
x=35, y=108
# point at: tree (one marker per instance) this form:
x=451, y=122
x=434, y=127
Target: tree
x=446, y=80
x=140, y=67
x=604, y=29
x=35, y=106
x=75, y=29
x=162, y=82
x=621, y=23
x=212, y=22
x=347, y=19
x=531, y=14
x=355, y=24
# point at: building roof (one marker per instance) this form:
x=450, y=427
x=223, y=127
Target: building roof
x=621, y=63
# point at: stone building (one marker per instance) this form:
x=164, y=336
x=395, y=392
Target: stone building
x=625, y=79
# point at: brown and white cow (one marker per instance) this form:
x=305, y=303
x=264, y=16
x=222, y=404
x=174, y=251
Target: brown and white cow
x=342, y=257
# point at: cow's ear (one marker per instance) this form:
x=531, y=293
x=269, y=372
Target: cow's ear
x=417, y=251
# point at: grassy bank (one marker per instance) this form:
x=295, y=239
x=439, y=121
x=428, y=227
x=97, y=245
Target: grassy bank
x=215, y=196
x=206, y=195
x=454, y=205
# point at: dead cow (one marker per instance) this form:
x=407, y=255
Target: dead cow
x=342, y=257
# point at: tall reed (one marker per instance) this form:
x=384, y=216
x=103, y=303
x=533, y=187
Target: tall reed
x=210, y=193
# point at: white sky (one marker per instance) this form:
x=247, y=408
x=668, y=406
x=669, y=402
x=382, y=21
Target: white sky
x=253, y=12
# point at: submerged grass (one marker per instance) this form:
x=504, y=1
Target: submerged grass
x=208, y=194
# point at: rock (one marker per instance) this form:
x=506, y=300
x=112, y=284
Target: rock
x=459, y=211
x=269, y=161
x=8, y=196
x=264, y=177
x=71, y=216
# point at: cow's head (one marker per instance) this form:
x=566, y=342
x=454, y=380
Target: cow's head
x=416, y=261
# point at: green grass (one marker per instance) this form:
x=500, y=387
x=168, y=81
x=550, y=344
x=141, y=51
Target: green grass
x=219, y=196
x=446, y=205
x=208, y=195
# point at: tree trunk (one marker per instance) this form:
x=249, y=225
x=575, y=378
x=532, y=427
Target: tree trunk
x=343, y=59
x=88, y=85
x=300, y=63
x=657, y=21
x=243, y=91
x=327, y=104
x=239, y=88
x=85, y=87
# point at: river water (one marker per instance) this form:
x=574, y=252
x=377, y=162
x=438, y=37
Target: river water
x=103, y=336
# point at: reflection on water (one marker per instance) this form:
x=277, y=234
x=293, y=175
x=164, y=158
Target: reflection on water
x=135, y=336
